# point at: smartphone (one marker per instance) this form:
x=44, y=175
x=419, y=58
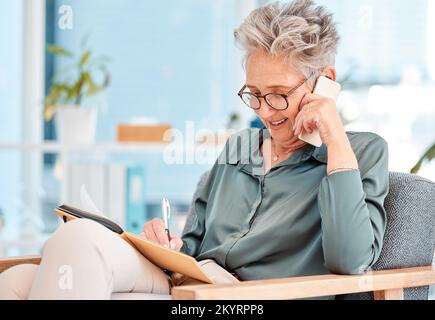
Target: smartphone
x=327, y=88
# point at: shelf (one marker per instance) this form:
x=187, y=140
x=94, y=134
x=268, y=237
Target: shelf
x=198, y=155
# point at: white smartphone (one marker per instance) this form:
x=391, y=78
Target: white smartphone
x=327, y=88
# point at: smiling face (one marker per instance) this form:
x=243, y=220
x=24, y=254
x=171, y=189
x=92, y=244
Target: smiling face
x=267, y=74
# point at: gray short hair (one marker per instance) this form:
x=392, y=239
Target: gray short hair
x=300, y=31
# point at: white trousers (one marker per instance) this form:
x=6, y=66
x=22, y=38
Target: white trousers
x=85, y=260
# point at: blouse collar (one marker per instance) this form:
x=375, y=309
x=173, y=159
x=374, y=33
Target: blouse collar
x=250, y=142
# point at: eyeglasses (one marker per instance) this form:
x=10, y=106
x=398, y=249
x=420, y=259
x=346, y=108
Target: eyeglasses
x=276, y=101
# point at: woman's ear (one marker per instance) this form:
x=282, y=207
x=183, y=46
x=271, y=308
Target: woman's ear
x=330, y=73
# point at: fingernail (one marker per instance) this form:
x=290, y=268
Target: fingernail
x=165, y=245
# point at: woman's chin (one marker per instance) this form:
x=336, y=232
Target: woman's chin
x=284, y=133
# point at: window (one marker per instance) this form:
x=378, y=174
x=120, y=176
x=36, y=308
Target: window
x=171, y=60
x=10, y=106
x=174, y=61
x=385, y=49
x=380, y=38
x=11, y=69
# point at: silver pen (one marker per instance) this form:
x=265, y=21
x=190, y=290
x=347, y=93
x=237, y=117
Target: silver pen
x=166, y=211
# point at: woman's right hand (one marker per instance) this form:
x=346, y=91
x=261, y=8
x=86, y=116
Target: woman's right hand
x=154, y=231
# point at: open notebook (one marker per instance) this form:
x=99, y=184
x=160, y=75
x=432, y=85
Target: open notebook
x=207, y=271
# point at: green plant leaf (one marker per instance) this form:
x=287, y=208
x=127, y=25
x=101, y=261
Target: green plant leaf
x=74, y=92
x=72, y=84
x=54, y=98
x=55, y=93
x=428, y=156
x=57, y=50
x=92, y=87
x=85, y=58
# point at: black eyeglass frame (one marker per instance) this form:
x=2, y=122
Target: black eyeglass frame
x=264, y=97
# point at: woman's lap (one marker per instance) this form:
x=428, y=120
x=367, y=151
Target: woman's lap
x=85, y=260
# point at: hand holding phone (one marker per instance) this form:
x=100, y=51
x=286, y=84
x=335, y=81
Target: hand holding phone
x=327, y=88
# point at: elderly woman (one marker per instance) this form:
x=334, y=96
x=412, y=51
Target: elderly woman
x=272, y=206
x=287, y=208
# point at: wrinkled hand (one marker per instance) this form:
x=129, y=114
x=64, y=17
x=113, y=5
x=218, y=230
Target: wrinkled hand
x=317, y=112
x=154, y=231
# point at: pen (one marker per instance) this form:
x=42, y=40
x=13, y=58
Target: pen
x=166, y=211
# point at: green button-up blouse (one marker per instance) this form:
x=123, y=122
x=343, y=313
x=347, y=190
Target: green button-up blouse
x=295, y=220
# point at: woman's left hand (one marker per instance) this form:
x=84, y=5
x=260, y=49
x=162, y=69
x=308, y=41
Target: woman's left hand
x=317, y=112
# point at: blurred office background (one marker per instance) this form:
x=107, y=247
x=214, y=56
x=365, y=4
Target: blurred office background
x=175, y=62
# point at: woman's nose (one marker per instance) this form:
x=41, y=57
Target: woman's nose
x=265, y=110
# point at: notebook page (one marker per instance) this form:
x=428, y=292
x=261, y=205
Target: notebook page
x=87, y=203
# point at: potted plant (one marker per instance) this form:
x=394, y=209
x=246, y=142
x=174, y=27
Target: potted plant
x=76, y=124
